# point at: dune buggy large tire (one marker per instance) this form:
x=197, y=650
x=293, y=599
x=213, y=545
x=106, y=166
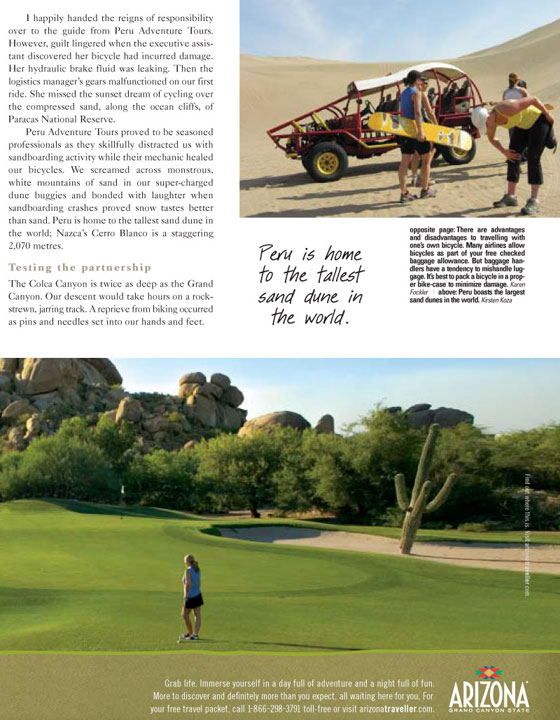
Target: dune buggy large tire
x=326, y=162
x=459, y=157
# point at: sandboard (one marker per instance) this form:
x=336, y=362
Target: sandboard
x=438, y=134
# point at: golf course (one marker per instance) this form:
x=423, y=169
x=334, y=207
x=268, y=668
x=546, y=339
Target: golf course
x=80, y=577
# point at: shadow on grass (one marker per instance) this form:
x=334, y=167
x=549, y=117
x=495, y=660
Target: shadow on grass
x=309, y=647
x=269, y=533
x=86, y=508
x=200, y=645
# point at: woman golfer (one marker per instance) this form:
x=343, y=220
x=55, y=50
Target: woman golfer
x=531, y=123
x=192, y=599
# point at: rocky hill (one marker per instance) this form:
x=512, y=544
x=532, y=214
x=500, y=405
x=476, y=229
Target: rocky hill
x=36, y=394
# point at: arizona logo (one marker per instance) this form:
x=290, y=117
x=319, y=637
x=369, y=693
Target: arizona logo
x=489, y=672
x=488, y=693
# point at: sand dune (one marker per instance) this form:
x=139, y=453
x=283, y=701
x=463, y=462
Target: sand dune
x=497, y=556
x=275, y=89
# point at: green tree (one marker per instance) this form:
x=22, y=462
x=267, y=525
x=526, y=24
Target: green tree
x=166, y=479
x=115, y=441
x=295, y=484
x=241, y=469
x=62, y=467
x=355, y=474
x=535, y=451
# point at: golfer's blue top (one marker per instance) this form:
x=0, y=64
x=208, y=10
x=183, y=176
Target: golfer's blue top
x=407, y=102
x=194, y=577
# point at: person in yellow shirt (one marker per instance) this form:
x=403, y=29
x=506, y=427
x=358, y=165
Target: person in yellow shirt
x=531, y=123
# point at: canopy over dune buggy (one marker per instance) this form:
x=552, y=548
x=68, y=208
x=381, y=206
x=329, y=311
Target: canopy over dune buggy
x=324, y=137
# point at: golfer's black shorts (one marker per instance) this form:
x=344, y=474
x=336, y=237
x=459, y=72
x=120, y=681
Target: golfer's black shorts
x=194, y=602
x=411, y=145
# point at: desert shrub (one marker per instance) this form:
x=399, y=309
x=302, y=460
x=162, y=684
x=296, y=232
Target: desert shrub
x=543, y=509
x=61, y=467
x=74, y=428
x=535, y=451
x=166, y=479
x=9, y=464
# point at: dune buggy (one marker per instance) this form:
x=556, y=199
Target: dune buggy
x=325, y=137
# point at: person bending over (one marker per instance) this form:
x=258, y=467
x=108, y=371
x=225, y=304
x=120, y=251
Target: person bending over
x=531, y=123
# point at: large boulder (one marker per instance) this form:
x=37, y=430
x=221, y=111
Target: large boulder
x=212, y=404
x=205, y=410
x=156, y=424
x=16, y=409
x=90, y=376
x=113, y=396
x=210, y=390
x=233, y=396
x=9, y=365
x=5, y=399
x=266, y=423
x=229, y=418
x=187, y=389
x=32, y=427
x=48, y=400
x=5, y=381
x=16, y=441
x=130, y=410
x=106, y=369
x=325, y=425
x=193, y=377
x=422, y=416
x=420, y=419
x=450, y=417
x=37, y=376
x=222, y=380
x=419, y=407
x=43, y=375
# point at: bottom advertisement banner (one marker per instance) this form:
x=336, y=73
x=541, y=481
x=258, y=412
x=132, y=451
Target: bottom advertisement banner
x=191, y=684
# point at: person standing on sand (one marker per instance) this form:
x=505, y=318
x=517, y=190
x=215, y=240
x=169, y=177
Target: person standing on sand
x=427, y=116
x=193, y=601
x=532, y=123
x=411, y=108
x=514, y=91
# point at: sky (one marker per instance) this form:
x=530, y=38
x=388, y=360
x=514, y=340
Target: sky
x=503, y=395
x=366, y=31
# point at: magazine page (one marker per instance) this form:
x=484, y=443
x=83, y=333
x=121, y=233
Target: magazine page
x=312, y=464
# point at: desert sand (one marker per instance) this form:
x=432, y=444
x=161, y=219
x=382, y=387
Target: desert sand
x=496, y=556
x=273, y=90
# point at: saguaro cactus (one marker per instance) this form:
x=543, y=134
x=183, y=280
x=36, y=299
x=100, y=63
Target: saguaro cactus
x=419, y=504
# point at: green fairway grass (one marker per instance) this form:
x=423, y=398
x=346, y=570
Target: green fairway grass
x=78, y=577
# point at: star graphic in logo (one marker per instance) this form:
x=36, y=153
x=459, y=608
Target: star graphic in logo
x=489, y=672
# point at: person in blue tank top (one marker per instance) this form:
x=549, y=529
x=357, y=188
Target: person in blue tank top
x=427, y=116
x=193, y=601
x=411, y=108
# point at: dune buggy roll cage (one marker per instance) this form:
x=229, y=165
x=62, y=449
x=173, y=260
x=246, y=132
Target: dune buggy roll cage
x=349, y=129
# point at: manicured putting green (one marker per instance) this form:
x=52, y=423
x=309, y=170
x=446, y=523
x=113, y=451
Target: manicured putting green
x=80, y=577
